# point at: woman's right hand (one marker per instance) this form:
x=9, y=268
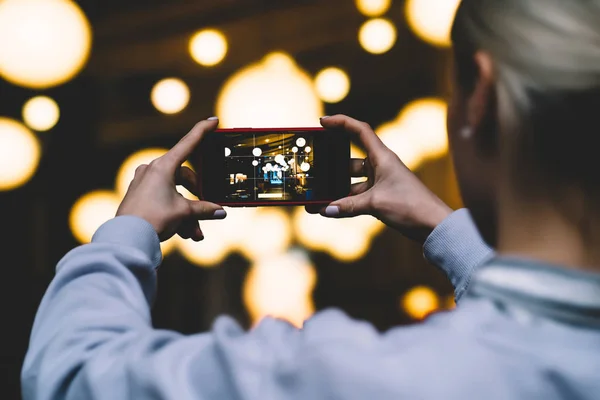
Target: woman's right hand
x=391, y=193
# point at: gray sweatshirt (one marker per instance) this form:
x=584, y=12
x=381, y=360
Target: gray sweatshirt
x=522, y=330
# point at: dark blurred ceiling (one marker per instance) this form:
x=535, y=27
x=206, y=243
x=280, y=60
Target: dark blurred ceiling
x=137, y=42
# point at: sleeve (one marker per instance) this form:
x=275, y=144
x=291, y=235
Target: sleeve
x=456, y=247
x=93, y=338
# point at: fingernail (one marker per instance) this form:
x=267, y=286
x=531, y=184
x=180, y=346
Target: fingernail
x=327, y=116
x=332, y=211
x=220, y=214
x=212, y=118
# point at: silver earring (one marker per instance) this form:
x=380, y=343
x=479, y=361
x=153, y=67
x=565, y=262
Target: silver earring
x=466, y=132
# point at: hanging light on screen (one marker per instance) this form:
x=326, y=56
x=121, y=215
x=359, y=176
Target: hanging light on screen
x=373, y=8
x=42, y=43
x=19, y=154
x=377, y=36
x=170, y=95
x=332, y=85
x=281, y=286
x=208, y=47
x=259, y=95
x=41, y=113
x=431, y=20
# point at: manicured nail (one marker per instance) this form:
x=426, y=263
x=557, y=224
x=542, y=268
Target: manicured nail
x=220, y=214
x=332, y=211
x=327, y=116
x=213, y=119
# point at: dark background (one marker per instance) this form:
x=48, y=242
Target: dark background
x=106, y=114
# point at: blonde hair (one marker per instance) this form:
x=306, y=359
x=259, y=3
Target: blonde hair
x=546, y=56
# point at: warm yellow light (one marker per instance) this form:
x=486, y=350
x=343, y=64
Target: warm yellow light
x=402, y=142
x=168, y=246
x=419, y=302
x=126, y=172
x=272, y=93
x=377, y=36
x=41, y=113
x=373, y=8
x=270, y=233
x=425, y=119
x=281, y=286
x=450, y=302
x=345, y=239
x=170, y=95
x=42, y=43
x=19, y=154
x=90, y=211
x=208, y=47
x=332, y=85
x=432, y=20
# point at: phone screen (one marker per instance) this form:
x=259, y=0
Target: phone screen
x=263, y=167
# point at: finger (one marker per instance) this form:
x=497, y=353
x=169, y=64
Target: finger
x=203, y=210
x=358, y=167
x=190, y=229
x=181, y=151
x=350, y=206
x=360, y=187
x=185, y=177
x=360, y=130
x=313, y=208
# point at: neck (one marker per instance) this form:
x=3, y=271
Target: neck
x=539, y=231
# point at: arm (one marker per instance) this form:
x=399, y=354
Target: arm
x=93, y=338
x=456, y=247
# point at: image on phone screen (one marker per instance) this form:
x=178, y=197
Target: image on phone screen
x=269, y=167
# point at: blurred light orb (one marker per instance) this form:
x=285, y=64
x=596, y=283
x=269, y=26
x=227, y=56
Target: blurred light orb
x=227, y=151
x=281, y=286
x=42, y=43
x=294, y=149
x=305, y=167
x=270, y=233
x=345, y=239
x=208, y=47
x=425, y=119
x=170, y=96
x=377, y=36
x=419, y=302
x=332, y=85
x=431, y=20
x=127, y=169
x=256, y=152
x=307, y=149
x=90, y=211
x=207, y=253
x=272, y=93
x=41, y=113
x=300, y=142
x=255, y=163
x=373, y=8
x=19, y=154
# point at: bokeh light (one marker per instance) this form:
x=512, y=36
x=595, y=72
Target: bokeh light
x=345, y=239
x=431, y=20
x=90, y=211
x=126, y=172
x=41, y=113
x=19, y=154
x=373, y=8
x=269, y=234
x=259, y=96
x=281, y=286
x=170, y=95
x=208, y=47
x=418, y=133
x=332, y=85
x=42, y=43
x=419, y=302
x=377, y=35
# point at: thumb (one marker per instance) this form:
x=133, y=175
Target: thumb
x=350, y=206
x=203, y=210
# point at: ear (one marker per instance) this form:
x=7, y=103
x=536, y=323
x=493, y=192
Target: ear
x=481, y=101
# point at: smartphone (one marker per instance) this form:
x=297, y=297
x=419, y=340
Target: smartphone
x=273, y=167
